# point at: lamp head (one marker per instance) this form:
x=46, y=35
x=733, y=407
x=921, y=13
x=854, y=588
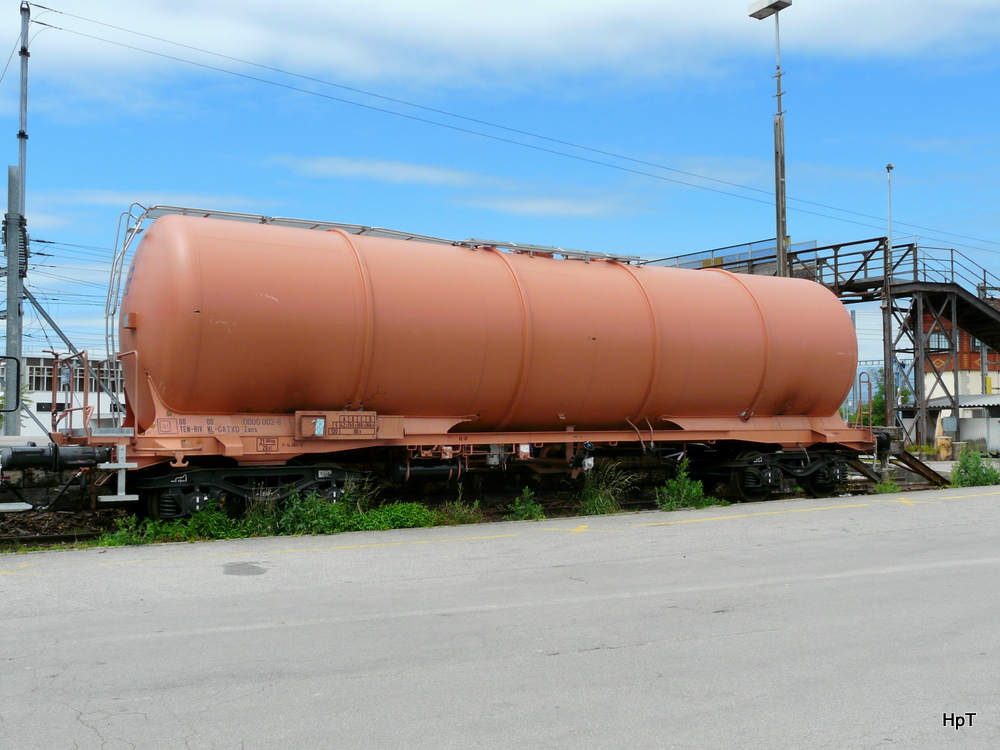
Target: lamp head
x=766, y=8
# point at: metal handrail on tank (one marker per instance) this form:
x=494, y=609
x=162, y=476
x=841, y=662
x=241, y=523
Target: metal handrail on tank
x=130, y=226
x=61, y=363
x=156, y=212
x=108, y=385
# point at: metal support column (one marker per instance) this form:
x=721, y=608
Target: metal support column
x=956, y=364
x=919, y=368
x=760, y=10
x=14, y=239
x=983, y=371
x=22, y=133
x=781, y=224
x=888, y=370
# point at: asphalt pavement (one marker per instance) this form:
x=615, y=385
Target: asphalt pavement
x=853, y=622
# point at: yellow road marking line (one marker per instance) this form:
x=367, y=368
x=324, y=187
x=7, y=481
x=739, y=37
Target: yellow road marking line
x=577, y=530
x=749, y=515
x=258, y=553
x=20, y=571
x=909, y=502
x=384, y=544
x=581, y=529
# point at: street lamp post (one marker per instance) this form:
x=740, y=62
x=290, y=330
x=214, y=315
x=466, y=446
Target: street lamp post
x=888, y=348
x=761, y=10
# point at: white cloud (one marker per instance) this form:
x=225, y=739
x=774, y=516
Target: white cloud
x=947, y=145
x=728, y=169
x=476, y=190
x=381, y=170
x=41, y=220
x=556, y=207
x=122, y=199
x=518, y=43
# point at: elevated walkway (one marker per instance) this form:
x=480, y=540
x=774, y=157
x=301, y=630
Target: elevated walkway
x=972, y=314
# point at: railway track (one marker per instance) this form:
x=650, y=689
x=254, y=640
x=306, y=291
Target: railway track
x=36, y=527
x=33, y=539
x=32, y=527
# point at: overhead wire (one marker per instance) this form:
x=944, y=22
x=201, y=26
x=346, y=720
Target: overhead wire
x=396, y=100
x=17, y=43
x=422, y=119
x=496, y=137
x=70, y=244
x=466, y=118
x=86, y=333
x=50, y=275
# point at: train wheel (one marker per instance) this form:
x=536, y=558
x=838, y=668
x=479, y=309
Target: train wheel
x=747, y=494
x=150, y=504
x=821, y=483
x=744, y=475
x=161, y=506
x=817, y=487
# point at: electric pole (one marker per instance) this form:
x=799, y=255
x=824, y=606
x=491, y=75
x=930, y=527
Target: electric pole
x=15, y=239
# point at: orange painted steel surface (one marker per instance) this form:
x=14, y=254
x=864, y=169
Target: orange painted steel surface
x=229, y=317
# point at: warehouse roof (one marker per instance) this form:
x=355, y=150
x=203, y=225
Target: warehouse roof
x=976, y=401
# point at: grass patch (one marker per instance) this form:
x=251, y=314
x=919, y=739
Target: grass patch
x=605, y=486
x=458, y=513
x=972, y=470
x=887, y=487
x=684, y=492
x=526, y=508
x=296, y=515
x=210, y=523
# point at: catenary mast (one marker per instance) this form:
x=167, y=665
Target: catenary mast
x=16, y=242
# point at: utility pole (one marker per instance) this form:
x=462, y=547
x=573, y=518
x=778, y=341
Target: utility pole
x=16, y=241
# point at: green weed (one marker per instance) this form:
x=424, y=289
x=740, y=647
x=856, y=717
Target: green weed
x=971, y=470
x=458, y=513
x=605, y=486
x=360, y=492
x=295, y=515
x=392, y=516
x=261, y=518
x=210, y=523
x=887, y=487
x=684, y=492
x=526, y=508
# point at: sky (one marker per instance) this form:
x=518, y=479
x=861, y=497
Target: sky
x=633, y=127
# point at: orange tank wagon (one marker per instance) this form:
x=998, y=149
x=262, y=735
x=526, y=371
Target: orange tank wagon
x=290, y=354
